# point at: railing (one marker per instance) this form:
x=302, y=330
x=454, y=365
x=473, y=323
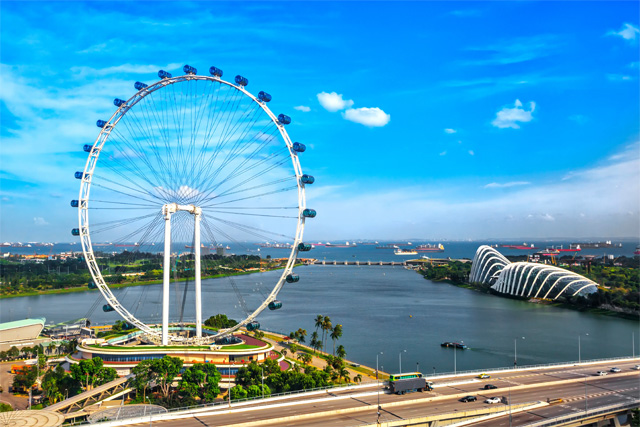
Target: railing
x=563, y=419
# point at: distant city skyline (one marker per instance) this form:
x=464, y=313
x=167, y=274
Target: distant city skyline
x=450, y=120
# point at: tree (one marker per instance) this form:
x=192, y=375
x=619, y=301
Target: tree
x=143, y=376
x=341, y=352
x=238, y=392
x=326, y=327
x=284, y=352
x=92, y=372
x=306, y=358
x=336, y=333
x=24, y=380
x=220, y=321
x=344, y=373
x=293, y=347
x=164, y=372
x=314, y=341
x=357, y=378
x=300, y=334
x=201, y=381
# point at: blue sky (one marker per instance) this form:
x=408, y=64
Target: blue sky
x=424, y=119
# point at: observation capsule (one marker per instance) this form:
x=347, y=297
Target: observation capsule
x=75, y=203
x=78, y=175
x=252, y=326
x=217, y=72
x=92, y=285
x=264, y=96
x=139, y=85
x=107, y=308
x=299, y=148
x=242, y=81
x=188, y=69
x=309, y=213
x=119, y=102
x=164, y=75
x=293, y=278
x=101, y=123
x=284, y=119
x=75, y=231
x=87, y=147
x=304, y=247
x=307, y=179
x=275, y=305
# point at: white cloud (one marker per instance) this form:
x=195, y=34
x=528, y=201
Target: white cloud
x=508, y=117
x=39, y=221
x=372, y=117
x=506, y=184
x=619, y=78
x=444, y=153
x=471, y=153
x=333, y=101
x=628, y=32
x=449, y=130
x=302, y=108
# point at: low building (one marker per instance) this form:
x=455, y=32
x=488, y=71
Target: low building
x=22, y=333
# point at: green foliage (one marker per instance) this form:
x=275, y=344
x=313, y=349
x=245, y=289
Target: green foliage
x=220, y=321
x=57, y=385
x=92, y=372
x=455, y=271
x=23, y=381
x=200, y=381
x=291, y=380
x=238, y=392
x=5, y=407
x=252, y=373
x=164, y=372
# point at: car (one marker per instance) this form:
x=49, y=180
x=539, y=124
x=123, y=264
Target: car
x=637, y=367
x=489, y=387
x=615, y=369
x=483, y=376
x=493, y=400
x=601, y=373
x=469, y=399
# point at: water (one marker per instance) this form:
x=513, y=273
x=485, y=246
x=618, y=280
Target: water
x=382, y=309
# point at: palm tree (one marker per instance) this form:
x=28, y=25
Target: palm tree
x=341, y=351
x=326, y=327
x=306, y=358
x=336, y=333
x=343, y=373
x=357, y=378
x=319, y=320
x=301, y=333
x=314, y=341
x=284, y=352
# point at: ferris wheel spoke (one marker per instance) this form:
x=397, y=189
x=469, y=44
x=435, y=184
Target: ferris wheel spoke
x=250, y=214
x=282, y=190
x=238, y=188
x=140, y=190
x=260, y=232
x=136, y=197
x=138, y=152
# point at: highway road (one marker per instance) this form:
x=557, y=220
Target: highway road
x=358, y=406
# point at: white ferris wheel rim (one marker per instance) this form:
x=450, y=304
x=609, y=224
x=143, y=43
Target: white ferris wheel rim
x=85, y=186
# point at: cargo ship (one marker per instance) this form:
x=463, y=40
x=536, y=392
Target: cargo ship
x=346, y=245
x=430, y=248
x=522, y=247
x=572, y=248
x=597, y=245
x=389, y=246
x=276, y=245
x=405, y=252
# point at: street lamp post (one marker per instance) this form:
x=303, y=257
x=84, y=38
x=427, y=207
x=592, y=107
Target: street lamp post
x=400, y=360
x=378, y=387
x=515, y=352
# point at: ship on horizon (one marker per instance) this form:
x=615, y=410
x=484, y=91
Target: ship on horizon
x=430, y=248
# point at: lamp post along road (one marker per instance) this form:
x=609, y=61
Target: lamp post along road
x=400, y=360
x=378, y=387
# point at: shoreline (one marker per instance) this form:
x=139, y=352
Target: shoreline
x=124, y=285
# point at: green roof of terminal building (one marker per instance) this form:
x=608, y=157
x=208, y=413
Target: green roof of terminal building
x=22, y=323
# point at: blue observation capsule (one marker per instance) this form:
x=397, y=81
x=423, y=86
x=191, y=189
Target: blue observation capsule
x=275, y=305
x=298, y=147
x=309, y=213
x=188, y=69
x=139, y=85
x=215, y=71
x=107, y=308
x=92, y=285
x=264, y=96
x=75, y=203
x=304, y=247
x=75, y=231
x=307, y=179
x=164, y=75
x=78, y=175
x=283, y=119
x=101, y=123
x=253, y=326
x=293, y=278
x=87, y=147
x=242, y=81
x=119, y=102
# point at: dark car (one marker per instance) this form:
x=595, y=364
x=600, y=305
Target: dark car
x=469, y=399
x=489, y=387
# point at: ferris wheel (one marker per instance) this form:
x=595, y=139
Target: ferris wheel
x=185, y=161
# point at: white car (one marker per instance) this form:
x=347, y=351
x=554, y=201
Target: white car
x=601, y=373
x=615, y=369
x=493, y=400
x=637, y=367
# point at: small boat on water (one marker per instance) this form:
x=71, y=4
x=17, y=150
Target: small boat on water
x=405, y=252
x=454, y=345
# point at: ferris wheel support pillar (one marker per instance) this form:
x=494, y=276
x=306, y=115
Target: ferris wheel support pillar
x=167, y=210
x=197, y=212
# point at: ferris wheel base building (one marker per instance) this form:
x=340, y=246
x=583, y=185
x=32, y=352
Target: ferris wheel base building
x=125, y=352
